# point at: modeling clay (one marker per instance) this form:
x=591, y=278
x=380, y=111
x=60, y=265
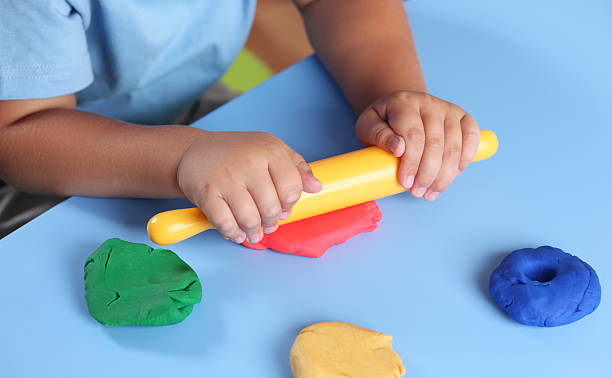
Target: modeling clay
x=334, y=349
x=311, y=237
x=545, y=287
x=134, y=284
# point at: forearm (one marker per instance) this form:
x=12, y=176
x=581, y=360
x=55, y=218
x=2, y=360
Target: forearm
x=70, y=152
x=366, y=45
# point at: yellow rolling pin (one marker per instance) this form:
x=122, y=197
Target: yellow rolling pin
x=348, y=179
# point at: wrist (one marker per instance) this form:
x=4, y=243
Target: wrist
x=379, y=73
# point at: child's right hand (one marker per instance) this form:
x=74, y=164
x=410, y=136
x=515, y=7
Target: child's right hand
x=244, y=181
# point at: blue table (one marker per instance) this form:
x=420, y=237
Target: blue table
x=538, y=73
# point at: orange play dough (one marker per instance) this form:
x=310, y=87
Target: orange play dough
x=336, y=349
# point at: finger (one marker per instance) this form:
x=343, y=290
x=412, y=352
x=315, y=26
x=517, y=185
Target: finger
x=310, y=184
x=471, y=140
x=220, y=215
x=373, y=130
x=268, y=204
x=409, y=125
x=287, y=182
x=246, y=213
x=450, y=158
x=431, y=161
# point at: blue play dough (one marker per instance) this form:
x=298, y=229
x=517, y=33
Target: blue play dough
x=545, y=287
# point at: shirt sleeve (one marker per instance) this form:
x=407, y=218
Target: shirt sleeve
x=43, y=50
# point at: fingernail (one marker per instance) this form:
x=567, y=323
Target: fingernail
x=408, y=182
x=393, y=143
x=255, y=238
x=317, y=181
x=418, y=192
x=270, y=229
x=431, y=196
x=285, y=214
x=238, y=239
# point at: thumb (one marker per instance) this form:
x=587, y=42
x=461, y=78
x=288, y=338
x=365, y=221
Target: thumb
x=373, y=131
x=310, y=184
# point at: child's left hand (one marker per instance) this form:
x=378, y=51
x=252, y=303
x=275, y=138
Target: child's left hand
x=435, y=139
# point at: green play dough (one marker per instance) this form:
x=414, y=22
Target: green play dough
x=134, y=284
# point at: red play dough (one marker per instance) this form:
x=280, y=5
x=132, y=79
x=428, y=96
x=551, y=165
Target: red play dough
x=313, y=236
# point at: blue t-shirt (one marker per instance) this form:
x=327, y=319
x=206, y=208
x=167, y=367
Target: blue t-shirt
x=141, y=61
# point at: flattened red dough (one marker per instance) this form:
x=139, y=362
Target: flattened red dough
x=313, y=236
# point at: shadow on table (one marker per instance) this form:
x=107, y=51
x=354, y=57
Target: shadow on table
x=483, y=275
x=284, y=348
x=131, y=213
x=194, y=337
x=197, y=335
x=75, y=271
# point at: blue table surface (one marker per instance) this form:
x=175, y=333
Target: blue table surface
x=537, y=73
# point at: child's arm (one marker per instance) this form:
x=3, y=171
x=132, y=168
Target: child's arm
x=242, y=181
x=367, y=46
x=48, y=146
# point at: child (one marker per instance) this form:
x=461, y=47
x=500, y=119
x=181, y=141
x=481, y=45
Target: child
x=79, y=78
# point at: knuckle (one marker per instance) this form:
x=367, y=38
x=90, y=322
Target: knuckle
x=410, y=169
x=405, y=119
x=456, y=109
x=429, y=99
x=291, y=197
x=226, y=227
x=204, y=194
x=405, y=95
x=434, y=141
x=271, y=211
x=469, y=122
x=271, y=147
x=301, y=164
x=452, y=152
x=268, y=142
x=427, y=174
x=249, y=161
x=410, y=165
x=204, y=190
x=415, y=135
x=250, y=224
x=379, y=135
x=424, y=177
x=413, y=97
x=471, y=137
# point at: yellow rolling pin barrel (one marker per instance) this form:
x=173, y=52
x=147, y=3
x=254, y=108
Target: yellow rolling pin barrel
x=348, y=179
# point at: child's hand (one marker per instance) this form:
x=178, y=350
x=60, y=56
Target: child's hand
x=244, y=181
x=436, y=140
